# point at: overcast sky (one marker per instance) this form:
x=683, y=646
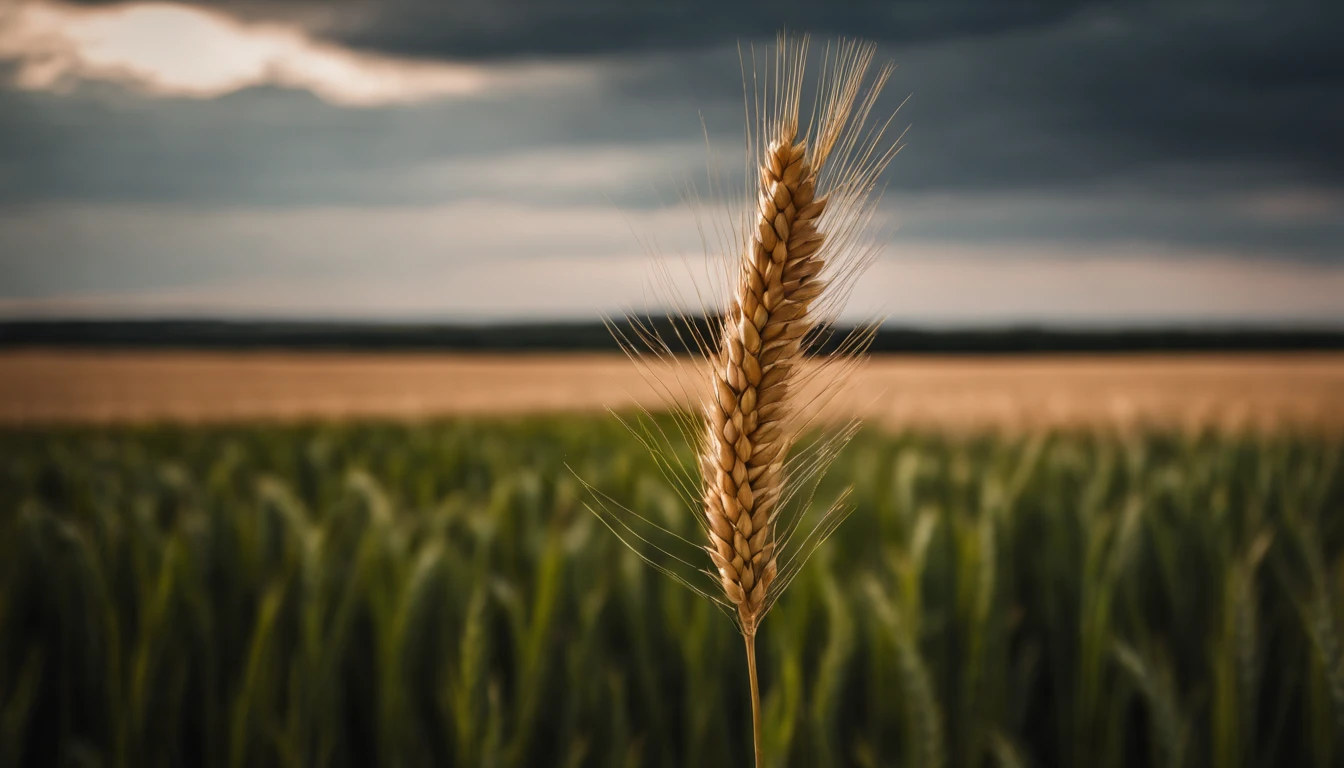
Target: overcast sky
x=1067, y=162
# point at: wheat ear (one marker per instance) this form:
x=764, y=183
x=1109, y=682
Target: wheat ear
x=743, y=459
x=761, y=347
x=756, y=372
x=794, y=256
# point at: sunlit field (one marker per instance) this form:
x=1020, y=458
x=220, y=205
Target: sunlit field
x=1303, y=392
x=436, y=593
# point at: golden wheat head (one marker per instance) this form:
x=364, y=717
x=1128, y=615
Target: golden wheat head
x=792, y=256
x=758, y=365
x=791, y=259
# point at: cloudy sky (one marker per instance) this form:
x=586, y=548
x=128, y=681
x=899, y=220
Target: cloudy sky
x=1082, y=162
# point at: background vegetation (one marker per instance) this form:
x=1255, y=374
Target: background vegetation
x=401, y=595
x=593, y=336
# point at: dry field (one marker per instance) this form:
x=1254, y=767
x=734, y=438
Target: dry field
x=1301, y=391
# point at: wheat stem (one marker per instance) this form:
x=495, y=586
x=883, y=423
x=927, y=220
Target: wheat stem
x=750, y=639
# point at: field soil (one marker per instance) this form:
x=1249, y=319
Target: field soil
x=1303, y=392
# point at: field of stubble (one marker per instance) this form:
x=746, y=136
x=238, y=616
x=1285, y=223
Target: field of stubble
x=1297, y=391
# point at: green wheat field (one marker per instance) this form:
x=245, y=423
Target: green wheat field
x=393, y=594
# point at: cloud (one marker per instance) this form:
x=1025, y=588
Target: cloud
x=1278, y=223
x=1090, y=96
x=163, y=246
x=497, y=260
x=173, y=50
x=265, y=146
x=249, y=149
x=1045, y=283
x=506, y=29
x=1175, y=97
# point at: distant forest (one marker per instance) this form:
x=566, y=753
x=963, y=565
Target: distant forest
x=593, y=337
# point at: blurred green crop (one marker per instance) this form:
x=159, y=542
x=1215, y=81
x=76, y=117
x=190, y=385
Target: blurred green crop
x=437, y=594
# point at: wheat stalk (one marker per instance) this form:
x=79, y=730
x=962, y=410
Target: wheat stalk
x=796, y=253
x=761, y=351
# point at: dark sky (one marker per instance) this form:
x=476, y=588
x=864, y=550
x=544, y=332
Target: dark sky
x=1065, y=162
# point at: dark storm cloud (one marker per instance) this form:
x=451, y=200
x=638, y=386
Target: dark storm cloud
x=486, y=29
x=1156, y=113
x=1019, y=94
x=497, y=29
x=1235, y=96
x=268, y=146
x=1004, y=95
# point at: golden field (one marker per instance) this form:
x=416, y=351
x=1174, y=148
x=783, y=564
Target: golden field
x=1297, y=391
